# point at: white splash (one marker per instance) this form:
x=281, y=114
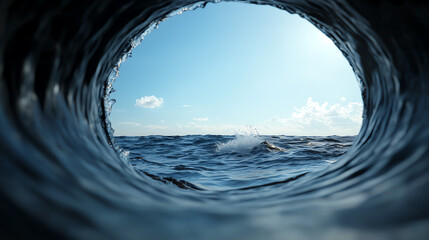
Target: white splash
x=243, y=142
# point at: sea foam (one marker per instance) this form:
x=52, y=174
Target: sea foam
x=243, y=142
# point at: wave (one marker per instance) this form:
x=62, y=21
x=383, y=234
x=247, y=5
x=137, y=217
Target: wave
x=240, y=144
x=245, y=142
x=62, y=175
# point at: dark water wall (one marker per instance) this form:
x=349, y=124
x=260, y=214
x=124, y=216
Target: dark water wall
x=61, y=178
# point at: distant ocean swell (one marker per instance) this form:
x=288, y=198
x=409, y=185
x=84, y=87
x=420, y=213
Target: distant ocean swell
x=223, y=163
x=63, y=178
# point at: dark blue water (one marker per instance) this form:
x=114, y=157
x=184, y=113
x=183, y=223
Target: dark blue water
x=215, y=162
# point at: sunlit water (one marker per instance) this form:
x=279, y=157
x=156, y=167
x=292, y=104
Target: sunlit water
x=215, y=162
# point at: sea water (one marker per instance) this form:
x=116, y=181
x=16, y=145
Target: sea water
x=223, y=162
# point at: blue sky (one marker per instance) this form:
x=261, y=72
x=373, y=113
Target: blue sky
x=220, y=69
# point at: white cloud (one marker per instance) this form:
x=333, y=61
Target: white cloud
x=186, y=106
x=149, y=102
x=328, y=115
x=201, y=119
x=163, y=121
x=316, y=118
x=343, y=99
x=130, y=123
x=311, y=119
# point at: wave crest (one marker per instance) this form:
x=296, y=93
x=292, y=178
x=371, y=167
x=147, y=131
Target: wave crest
x=240, y=144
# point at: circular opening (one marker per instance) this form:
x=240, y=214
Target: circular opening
x=235, y=96
x=61, y=178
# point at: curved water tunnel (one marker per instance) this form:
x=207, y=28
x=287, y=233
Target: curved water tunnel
x=61, y=176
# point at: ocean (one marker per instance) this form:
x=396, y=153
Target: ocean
x=221, y=162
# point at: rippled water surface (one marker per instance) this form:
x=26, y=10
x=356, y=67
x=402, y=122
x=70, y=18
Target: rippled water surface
x=214, y=162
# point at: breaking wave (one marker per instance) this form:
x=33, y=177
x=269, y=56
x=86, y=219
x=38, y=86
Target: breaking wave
x=243, y=142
